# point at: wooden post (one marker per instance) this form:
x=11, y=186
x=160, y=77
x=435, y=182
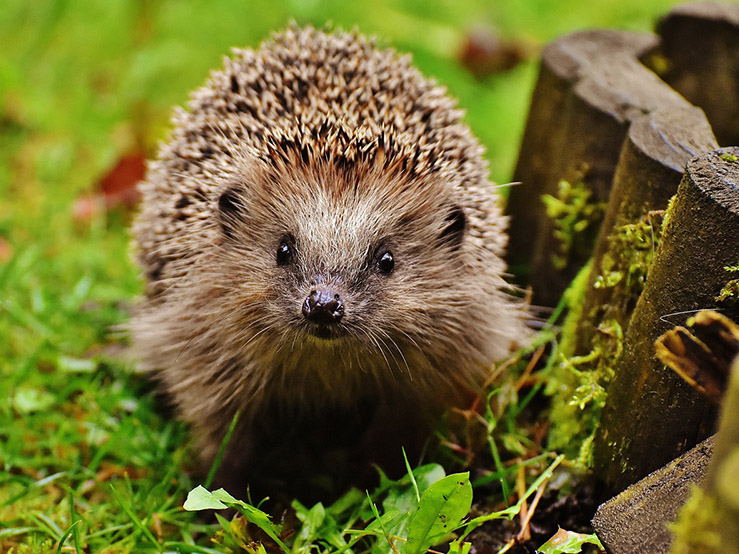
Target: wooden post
x=638, y=520
x=591, y=85
x=699, y=57
x=651, y=415
x=654, y=154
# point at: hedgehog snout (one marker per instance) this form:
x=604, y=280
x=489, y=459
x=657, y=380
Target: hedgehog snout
x=323, y=306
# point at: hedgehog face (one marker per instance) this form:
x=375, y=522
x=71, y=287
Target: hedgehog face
x=340, y=266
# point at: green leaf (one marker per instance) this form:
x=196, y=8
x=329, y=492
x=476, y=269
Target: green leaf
x=404, y=499
x=201, y=498
x=349, y=503
x=225, y=497
x=427, y=475
x=261, y=520
x=568, y=542
x=76, y=365
x=457, y=547
x=312, y=522
x=441, y=509
x=28, y=400
x=400, y=499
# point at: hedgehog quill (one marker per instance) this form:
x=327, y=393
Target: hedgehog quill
x=323, y=254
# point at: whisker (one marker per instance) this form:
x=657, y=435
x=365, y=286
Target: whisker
x=400, y=351
x=377, y=342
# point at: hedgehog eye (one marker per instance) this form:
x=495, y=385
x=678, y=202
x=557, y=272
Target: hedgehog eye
x=285, y=252
x=456, y=223
x=385, y=262
x=230, y=210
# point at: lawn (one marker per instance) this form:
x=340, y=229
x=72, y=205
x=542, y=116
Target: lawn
x=91, y=461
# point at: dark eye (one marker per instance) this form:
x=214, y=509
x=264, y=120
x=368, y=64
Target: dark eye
x=284, y=252
x=385, y=262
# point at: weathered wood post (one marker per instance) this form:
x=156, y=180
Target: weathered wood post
x=653, y=157
x=640, y=519
x=699, y=58
x=651, y=415
x=591, y=86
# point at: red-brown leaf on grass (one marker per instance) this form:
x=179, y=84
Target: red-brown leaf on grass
x=484, y=53
x=120, y=182
x=6, y=250
x=117, y=188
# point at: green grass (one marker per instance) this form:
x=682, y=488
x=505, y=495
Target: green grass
x=88, y=461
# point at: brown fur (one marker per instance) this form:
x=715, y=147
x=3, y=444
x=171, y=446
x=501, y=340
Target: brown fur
x=344, y=147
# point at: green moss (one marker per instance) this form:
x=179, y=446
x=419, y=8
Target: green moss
x=668, y=211
x=608, y=278
x=630, y=255
x=574, y=298
x=730, y=290
x=578, y=382
x=696, y=530
x=579, y=390
x=658, y=63
x=730, y=157
x=576, y=218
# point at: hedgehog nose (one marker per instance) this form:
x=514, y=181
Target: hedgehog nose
x=323, y=307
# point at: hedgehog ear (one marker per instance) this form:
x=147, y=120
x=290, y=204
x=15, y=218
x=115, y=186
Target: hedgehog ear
x=231, y=209
x=455, y=225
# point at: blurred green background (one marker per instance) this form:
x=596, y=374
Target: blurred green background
x=81, y=80
x=84, y=83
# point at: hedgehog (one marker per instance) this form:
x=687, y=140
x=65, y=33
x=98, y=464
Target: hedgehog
x=322, y=249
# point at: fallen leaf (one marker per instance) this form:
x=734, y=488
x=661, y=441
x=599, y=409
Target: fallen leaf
x=568, y=542
x=484, y=53
x=702, y=353
x=6, y=250
x=117, y=188
x=120, y=182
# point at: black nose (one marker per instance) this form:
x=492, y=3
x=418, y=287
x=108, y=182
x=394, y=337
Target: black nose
x=323, y=307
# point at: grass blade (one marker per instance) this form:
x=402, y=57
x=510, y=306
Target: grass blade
x=69, y=531
x=136, y=521
x=221, y=451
